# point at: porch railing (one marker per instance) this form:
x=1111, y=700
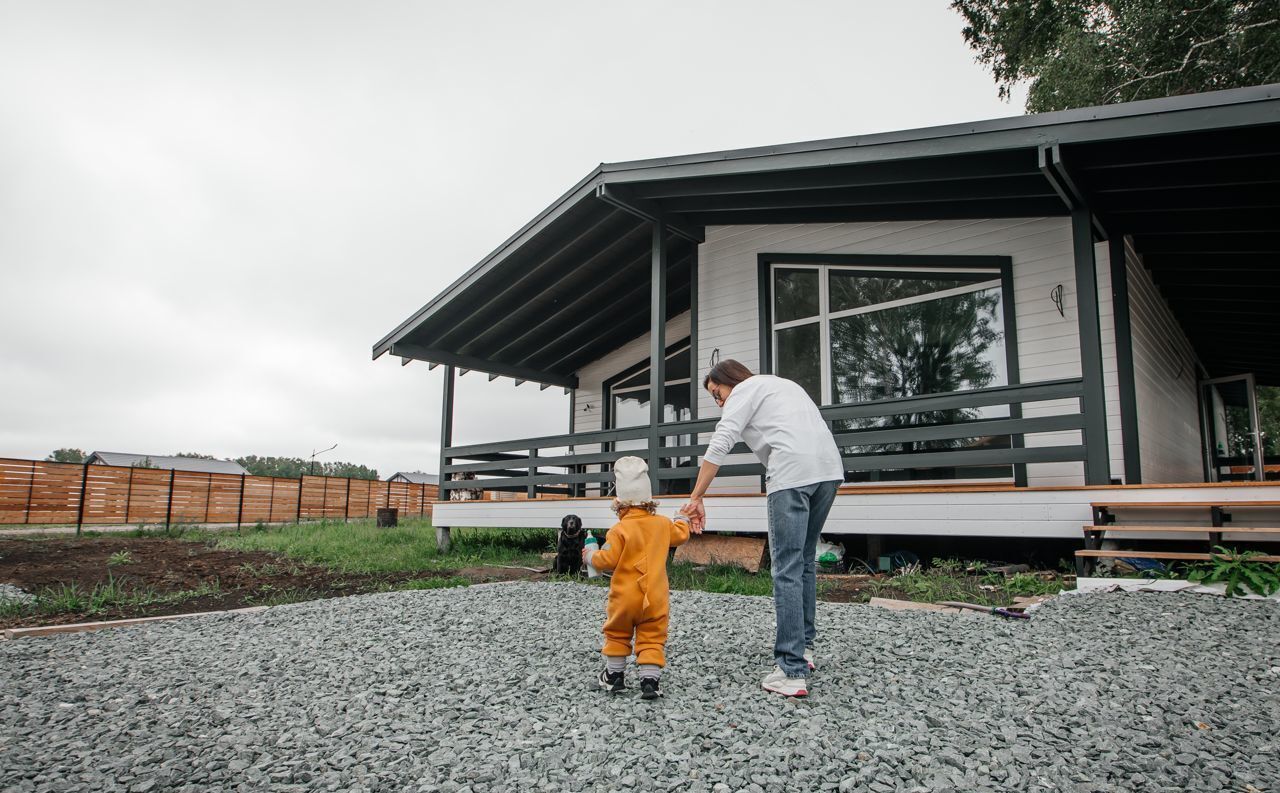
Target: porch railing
x=559, y=464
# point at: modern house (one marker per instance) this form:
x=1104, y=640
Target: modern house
x=1003, y=321
x=198, y=464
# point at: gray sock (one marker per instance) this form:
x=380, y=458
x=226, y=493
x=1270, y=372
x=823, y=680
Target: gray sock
x=615, y=663
x=650, y=671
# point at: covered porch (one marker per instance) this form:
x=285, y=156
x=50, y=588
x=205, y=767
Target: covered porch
x=1185, y=189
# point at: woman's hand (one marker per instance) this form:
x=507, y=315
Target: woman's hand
x=696, y=514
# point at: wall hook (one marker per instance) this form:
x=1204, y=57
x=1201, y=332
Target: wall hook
x=1055, y=295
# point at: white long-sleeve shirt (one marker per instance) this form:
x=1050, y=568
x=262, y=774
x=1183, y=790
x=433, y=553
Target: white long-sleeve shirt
x=778, y=420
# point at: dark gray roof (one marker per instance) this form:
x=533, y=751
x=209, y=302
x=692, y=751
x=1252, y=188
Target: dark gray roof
x=169, y=463
x=416, y=477
x=1194, y=179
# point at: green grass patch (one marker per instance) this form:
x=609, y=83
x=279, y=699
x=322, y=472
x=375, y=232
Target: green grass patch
x=113, y=593
x=359, y=546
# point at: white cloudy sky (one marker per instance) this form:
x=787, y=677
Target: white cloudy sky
x=210, y=211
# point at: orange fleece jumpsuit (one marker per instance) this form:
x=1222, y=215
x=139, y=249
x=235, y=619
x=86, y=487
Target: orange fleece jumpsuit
x=635, y=549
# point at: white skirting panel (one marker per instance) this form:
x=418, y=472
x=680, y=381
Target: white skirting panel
x=1030, y=512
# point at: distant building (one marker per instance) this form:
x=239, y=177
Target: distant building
x=414, y=477
x=197, y=464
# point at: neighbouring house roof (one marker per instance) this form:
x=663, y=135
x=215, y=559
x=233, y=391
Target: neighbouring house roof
x=169, y=463
x=416, y=477
x=1195, y=181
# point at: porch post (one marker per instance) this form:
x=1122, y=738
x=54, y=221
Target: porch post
x=446, y=440
x=695, y=382
x=657, y=343
x=1097, y=465
x=1124, y=359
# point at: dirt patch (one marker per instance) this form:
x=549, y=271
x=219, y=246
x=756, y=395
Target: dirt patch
x=159, y=567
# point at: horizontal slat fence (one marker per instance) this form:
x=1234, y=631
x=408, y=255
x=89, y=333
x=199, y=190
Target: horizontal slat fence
x=34, y=492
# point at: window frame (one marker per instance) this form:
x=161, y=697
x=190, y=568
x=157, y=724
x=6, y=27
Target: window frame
x=892, y=265
x=607, y=387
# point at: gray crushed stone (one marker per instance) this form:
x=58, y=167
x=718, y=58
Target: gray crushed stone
x=491, y=689
x=10, y=593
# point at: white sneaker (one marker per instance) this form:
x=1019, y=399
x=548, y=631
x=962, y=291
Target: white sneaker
x=808, y=657
x=778, y=682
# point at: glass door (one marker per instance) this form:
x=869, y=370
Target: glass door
x=1232, y=440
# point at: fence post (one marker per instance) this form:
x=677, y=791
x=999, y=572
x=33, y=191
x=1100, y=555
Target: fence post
x=240, y=508
x=301, y=481
x=532, y=491
x=208, y=494
x=271, y=502
x=324, y=500
x=168, y=511
x=30, y=487
x=346, y=505
x=84, y=485
x=128, y=495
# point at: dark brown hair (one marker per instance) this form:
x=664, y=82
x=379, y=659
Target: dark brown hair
x=728, y=372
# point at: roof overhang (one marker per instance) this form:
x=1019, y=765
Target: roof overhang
x=1193, y=179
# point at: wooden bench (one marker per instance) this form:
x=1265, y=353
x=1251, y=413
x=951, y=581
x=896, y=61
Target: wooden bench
x=1104, y=520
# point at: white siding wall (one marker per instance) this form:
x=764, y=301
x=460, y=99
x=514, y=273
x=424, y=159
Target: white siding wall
x=1042, y=258
x=1164, y=374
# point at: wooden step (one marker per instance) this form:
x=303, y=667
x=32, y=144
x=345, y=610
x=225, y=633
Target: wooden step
x=1110, y=527
x=1175, y=555
x=1188, y=504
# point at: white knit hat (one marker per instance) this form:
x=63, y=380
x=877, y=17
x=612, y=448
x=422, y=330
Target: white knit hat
x=631, y=475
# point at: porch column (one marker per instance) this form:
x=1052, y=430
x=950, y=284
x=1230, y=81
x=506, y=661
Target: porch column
x=1097, y=465
x=657, y=343
x=695, y=382
x=446, y=440
x=1124, y=359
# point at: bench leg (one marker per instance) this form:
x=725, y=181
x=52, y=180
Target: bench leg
x=442, y=538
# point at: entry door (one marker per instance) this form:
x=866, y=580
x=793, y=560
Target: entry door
x=1233, y=445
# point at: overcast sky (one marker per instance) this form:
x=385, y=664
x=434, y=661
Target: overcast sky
x=210, y=211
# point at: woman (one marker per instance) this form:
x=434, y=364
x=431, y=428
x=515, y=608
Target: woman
x=778, y=420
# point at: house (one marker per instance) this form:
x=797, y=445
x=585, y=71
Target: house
x=1003, y=321
x=414, y=477
x=197, y=464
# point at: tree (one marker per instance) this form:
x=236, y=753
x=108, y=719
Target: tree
x=295, y=467
x=66, y=456
x=1077, y=53
x=195, y=456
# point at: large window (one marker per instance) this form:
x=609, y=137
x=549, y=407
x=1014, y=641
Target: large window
x=627, y=395
x=851, y=333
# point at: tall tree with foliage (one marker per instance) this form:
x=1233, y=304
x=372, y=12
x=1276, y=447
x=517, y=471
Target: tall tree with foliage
x=66, y=456
x=294, y=467
x=1076, y=53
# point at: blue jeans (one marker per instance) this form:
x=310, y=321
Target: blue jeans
x=796, y=517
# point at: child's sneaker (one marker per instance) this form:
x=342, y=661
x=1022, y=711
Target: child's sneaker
x=778, y=682
x=808, y=657
x=611, y=681
x=649, y=688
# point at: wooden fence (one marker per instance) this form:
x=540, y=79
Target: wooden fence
x=35, y=492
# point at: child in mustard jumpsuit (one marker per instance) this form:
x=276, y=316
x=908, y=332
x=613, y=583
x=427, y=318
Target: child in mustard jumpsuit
x=635, y=549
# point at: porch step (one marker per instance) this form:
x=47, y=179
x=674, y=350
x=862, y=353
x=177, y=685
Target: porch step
x=1174, y=555
x=1114, y=527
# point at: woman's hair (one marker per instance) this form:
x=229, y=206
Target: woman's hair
x=621, y=509
x=728, y=372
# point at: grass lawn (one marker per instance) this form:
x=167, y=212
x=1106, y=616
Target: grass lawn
x=361, y=547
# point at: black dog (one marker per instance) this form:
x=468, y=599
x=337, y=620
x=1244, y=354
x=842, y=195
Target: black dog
x=569, y=541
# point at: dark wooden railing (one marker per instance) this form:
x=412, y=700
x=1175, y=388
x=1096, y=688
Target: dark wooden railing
x=524, y=464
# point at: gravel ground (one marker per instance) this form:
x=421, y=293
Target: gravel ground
x=490, y=688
